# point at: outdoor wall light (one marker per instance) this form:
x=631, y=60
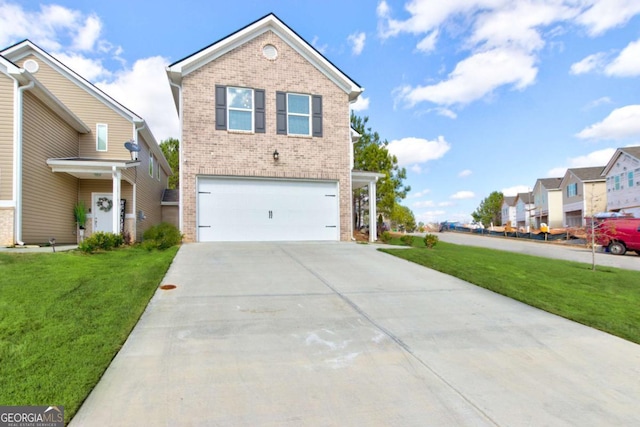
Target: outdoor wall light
x=276, y=155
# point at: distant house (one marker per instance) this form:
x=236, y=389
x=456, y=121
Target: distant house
x=524, y=210
x=547, y=200
x=509, y=211
x=622, y=175
x=62, y=142
x=583, y=194
x=266, y=140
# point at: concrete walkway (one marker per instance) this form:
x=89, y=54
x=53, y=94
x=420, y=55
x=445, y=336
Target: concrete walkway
x=338, y=334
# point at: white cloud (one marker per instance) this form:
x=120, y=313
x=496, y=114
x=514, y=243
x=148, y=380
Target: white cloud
x=465, y=173
x=589, y=63
x=423, y=204
x=430, y=216
x=605, y=14
x=460, y=195
x=597, y=102
x=475, y=77
x=621, y=123
x=419, y=193
x=361, y=104
x=88, y=34
x=446, y=112
x=144, y=90
x=357, y=40
x=320, y=48
x=503, y=39
x=445, y=204
x=512, y=191
x=90, y=69
x=416, y=169
x=595, y=158
x=428, y=43
x=418, y=150
x=627, y=64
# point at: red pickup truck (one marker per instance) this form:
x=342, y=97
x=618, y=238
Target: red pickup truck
x=618, y=235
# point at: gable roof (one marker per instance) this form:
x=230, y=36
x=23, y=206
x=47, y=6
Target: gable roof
x=270, y=22
x=588, y=174
x=550, y=183
x=509, y=200
x=525, y=197
x=27, y=47
x=631, y=151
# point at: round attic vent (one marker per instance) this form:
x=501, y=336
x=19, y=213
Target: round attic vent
x=270, y=52
x=31, y=66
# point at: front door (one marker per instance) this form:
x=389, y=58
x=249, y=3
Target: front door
x=103, y=210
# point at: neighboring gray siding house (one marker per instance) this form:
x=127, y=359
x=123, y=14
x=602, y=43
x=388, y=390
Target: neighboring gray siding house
x=583, y=194
x=547, y=199
x=61, y=142
x=622, y=175
x=266, y=142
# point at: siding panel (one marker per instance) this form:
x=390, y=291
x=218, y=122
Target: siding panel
x=6, y=137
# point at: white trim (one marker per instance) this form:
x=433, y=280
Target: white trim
x=308, y=116
x=270, y=22
x=7, y=204
x=252, y=110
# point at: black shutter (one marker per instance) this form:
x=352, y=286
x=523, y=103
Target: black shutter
x=260, y=125
x=316, y=115
x=221, y=107
x=281, y=113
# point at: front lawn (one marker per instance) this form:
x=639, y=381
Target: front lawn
x=64, y=316
x=606, y=299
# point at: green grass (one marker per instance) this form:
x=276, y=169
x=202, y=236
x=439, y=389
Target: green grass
x=606, y=299
x=64, y=316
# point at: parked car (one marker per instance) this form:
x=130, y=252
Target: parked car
x=618, y=235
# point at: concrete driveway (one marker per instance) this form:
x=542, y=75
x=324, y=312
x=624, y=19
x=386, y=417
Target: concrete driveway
x=338, y=334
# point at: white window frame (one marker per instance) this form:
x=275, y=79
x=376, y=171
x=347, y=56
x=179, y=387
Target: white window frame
x=151, y=165
x=106, y=136
x=572, y=189
x=252, y=110
x=158, y=170
x=308, y=116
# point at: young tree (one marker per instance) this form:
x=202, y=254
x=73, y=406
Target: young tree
x=171, y=150
x=403, y=218
x=490, y=210
x=371, y=155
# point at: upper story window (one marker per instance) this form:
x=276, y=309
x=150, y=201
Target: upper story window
x=630, y=179
x=616, y=184
x=101, y=137
x=298, y=114
x=150, y=164
x=572, y=190
x=240, y=109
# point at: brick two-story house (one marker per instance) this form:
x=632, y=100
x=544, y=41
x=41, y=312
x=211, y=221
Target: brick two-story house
x=266, y=142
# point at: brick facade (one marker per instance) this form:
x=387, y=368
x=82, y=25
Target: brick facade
x=210, y=152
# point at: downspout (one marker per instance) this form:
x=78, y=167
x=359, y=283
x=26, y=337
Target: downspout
x=180, y=160
x=17, y=157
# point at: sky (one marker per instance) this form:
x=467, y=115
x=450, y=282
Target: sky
x=473, y=96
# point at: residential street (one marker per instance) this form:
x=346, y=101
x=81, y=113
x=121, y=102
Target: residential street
x=570, y=252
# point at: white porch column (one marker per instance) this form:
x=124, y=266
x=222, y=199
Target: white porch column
x=116, y=175
x=373, y=220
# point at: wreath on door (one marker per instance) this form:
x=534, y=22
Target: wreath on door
x=104, y=204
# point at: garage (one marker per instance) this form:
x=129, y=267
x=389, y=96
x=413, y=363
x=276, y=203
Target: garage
x=236, y=209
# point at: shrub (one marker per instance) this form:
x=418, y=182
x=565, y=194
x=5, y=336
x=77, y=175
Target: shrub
x=161, y=236
x=407, y=240
x=385, y=237
x=430, y=240
x=101, y=241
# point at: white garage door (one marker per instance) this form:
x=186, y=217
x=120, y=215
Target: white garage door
x=266, y=210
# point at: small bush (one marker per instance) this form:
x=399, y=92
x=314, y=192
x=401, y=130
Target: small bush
x=161, y=236
x=430, y=240
x=101, y=241
x=385, y=237
x=407, y=240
